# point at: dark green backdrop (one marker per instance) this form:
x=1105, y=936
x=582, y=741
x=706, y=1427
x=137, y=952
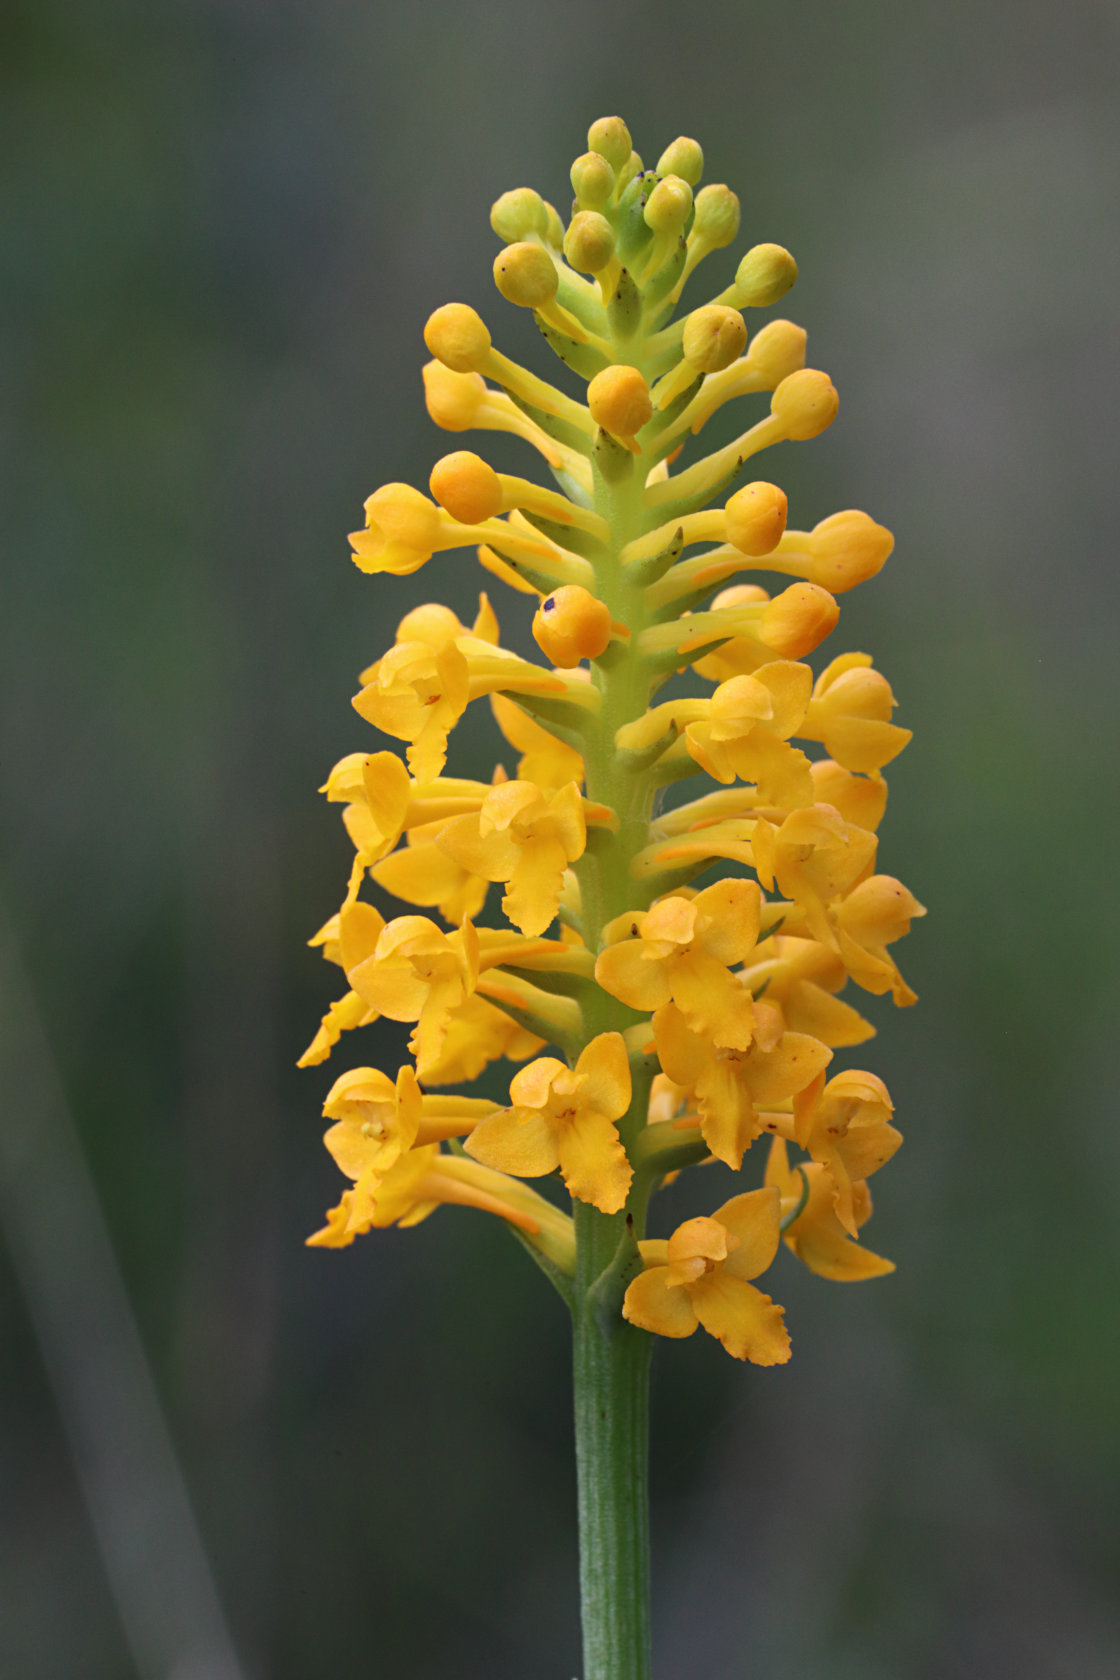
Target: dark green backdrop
x=222, y=225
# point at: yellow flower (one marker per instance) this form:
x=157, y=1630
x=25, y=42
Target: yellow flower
x=747, y=732
x=814, y=857
x=477, y=1034
x=424, y=1179
x=850, y=713
x=816, y=1236
x=564, y=1117
x=681, y=952
x=869, y=918
x=420, y=689
x=423, y=873
x=404, y=529
x=526, y=838
x=845, y=1125
x=706, y=1279
x=416, y=972
x=731, y=1085
x=801, y=977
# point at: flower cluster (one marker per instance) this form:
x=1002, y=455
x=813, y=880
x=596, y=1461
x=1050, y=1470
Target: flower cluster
x=660, y=1017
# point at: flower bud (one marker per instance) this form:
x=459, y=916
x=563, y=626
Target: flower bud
x=717, y=217
x=798, y=620
x=453, y=399
x=571, y=625
x=756, y=518
x=714, y=337
x=456, y=335
x=776, y=351
x=682, y=157
x=619, y=400
x=765, y=274
x=467, y=487
x=805, y=403
x=592, y=180
x=610, y=137
x=589, y=242
x=526, y=275
x=848, y=548
x=667, y=207
x=879, y=911
x=518, y=215
x=403, y=515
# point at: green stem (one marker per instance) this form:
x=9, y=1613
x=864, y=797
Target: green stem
x=611, y=1369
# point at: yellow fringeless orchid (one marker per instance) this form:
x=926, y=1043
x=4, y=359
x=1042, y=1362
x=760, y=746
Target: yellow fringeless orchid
x=565, y=1117
x=845, y=1125
x=416, y=972
x=730, y=1086
x=816, y=1235
x=746, y=733
x=681, y=952
x=523, y=837
x=703, y=1274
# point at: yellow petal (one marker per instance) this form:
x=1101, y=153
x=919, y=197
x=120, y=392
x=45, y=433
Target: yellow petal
x=753, y=1219
x=605, y=1069
x=627, y=972
x=515, y=1140
x=653, y=1303
x=740, y=1316
x=593, y=1161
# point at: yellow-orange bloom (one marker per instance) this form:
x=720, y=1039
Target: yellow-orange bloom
x=845, y=1125
x=417, y=972
x=816, y=1236
x=705, y=1278
x=565, y=1117
x=730, y=1086
x=523, y=837
x=681, y=952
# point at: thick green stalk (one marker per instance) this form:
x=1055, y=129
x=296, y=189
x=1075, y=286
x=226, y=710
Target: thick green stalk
x=611, y=1359
x=611, y=1369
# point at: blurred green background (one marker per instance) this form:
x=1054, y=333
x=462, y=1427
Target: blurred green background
x=222, y=226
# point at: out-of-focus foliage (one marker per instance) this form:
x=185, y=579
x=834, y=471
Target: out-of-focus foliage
x=222, y=227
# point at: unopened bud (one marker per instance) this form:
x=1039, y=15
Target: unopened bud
x=756, y=518
x=610, y=137
x=589, y=242
x=619, y=400
x=776, y=351
x=518, y=214
x=848, y=548
x=592, y=180
x=526, y=275
x=765, y=274
x=879, y=911
x=713, y=338
x=805, y=403
x=717, y=216
x=453, y=398
x=399, y=514
x=667, y=207
x=798, y=620
x=456, y=335
x=571, y=625
x=467, y=487
x=682, y=157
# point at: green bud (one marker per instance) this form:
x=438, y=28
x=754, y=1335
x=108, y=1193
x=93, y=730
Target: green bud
x=610, y=137
x=589, y=242
x=526, y=275
x=717, y=216
x=518, y=215
x=668, y=205
x=553, y=228
x=592, y=181
x=765, y=274
x=682, y=157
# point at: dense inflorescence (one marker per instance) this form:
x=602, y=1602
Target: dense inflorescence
x=659, y=1021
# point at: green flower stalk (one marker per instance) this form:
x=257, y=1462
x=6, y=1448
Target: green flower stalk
x=668, y=961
